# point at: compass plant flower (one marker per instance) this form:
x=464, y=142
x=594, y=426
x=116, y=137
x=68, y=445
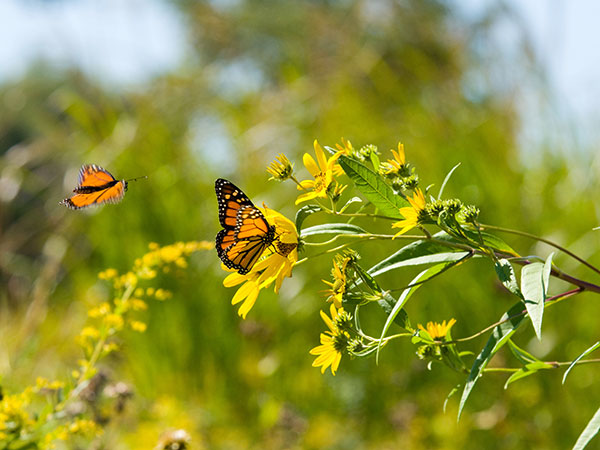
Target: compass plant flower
x=274, y=265
x=337, y=288
x=281, y=168
x=438, y=331
x=345, y=147
x=413, y=214
x=323, y=170
x=396, y=167
x=333, y=342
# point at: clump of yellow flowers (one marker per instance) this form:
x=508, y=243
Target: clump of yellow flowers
x=26, y=421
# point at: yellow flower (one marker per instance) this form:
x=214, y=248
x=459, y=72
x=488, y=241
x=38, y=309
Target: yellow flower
x=397, y=165
x=14, y=416
x=275, y=264
x=333, y=342
x=438, y=331
x=335, y=190
x=162, y=294
x=323, y=172
x=138, y=304
x=90, y=333
x=114, y=321
x=100, y=311
x=281, y=168
x=108, y=274
x=411, y=213
x=346, y=147
x=145, y=267
x=338, y=287
x=138, y=326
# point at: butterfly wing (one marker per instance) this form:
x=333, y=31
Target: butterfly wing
x=230, y=199
x=91, y=175
x=96, y=186
x=246, y=232
x=111, y=194
x=240, y=255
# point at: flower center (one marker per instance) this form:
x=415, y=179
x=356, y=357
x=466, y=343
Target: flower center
x=320, y=182
x=285, y=249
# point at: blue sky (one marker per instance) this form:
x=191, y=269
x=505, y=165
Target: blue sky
x=126, y=42
x=123, y=42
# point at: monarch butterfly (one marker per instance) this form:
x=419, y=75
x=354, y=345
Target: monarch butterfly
x=96, y=186
x=246, y=232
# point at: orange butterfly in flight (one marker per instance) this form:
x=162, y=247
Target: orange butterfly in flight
x=96, y=186
x=246, y=233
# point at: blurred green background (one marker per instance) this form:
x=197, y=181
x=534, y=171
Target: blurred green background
x=259, y=78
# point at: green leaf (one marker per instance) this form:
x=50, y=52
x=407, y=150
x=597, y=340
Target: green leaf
x=412, y=251
x=529, y=369
x=366, y=277
x=500, y=335
x=375, y=161
x=446, y=180
x=506, y=275
x=534, y=295
x=589, y=432
x=374, y=188
x=406, y=294
x=576, y=360
x=303, y=213
x=332, y=228
x=387, y=304
x=547, y=272
x=523, y=356
x=384, y=266
x=489, y=240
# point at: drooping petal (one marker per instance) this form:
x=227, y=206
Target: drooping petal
x=306, y=196
x=336, y=362
x=233, y=279
x=243, y=292
x=328, y=321
x=248, y=303
x=306, y=184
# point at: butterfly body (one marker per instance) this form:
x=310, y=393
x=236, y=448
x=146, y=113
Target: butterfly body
x=245, y=234
x=92, y=189
x=95, y=186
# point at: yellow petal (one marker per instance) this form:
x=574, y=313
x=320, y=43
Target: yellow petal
x=233, y=279
x=311, y=165
x=336, y=362
x=320, y=156
x=306, y=184
x=243, y=292
x=306, y=196
x=327, y=321
x=248, y=304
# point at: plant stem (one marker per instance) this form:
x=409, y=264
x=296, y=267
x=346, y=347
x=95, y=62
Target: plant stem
x=377, y=216
x=99, y=346
x=545, y=241
x=551, y=301
x=501, y=369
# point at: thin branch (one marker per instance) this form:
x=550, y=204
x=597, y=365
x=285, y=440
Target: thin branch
x=545, y=241
x=550, y=301
x=377, y=216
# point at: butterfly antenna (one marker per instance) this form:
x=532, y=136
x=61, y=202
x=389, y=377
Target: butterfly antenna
x=136, y=178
